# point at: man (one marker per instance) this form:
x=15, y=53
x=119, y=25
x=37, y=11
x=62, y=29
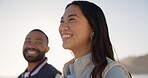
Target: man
x=34, y=50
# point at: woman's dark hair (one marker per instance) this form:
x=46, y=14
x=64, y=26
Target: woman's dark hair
x=101, y=46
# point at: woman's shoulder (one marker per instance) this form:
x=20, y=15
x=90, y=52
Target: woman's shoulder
x=69, y=62
x=115, y=70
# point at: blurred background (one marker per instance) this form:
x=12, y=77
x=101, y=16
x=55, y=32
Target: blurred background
x=127, y=21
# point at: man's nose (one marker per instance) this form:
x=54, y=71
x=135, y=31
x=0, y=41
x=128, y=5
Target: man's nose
x=32, y=45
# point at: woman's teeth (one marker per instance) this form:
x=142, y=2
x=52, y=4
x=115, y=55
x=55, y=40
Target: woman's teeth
x=66, y=36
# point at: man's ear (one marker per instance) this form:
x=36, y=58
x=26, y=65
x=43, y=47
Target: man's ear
x=47, y=49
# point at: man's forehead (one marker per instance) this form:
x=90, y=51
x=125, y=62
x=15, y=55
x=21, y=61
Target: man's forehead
x=35, y=34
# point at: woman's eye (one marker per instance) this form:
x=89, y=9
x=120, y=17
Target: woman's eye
x=61, y=21
x=27, y=41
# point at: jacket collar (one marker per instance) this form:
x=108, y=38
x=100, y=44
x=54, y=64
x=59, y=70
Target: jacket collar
x=36, y=69
x=79, y=64
x=82, y=62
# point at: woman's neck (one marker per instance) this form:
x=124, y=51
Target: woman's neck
x=81, y=51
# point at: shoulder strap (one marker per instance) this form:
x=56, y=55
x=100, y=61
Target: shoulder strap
x=108, y=67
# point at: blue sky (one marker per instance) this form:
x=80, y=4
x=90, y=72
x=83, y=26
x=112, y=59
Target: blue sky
x=127, y=22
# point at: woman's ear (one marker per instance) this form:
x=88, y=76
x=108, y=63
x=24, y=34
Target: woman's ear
x=92, y=34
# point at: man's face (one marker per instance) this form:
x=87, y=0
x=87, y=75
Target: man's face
x=35, y=46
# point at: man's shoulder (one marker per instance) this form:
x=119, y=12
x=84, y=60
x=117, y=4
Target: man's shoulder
x=48, y=68
x=48, y=71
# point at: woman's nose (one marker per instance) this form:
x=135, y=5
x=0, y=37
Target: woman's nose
x=63, y=27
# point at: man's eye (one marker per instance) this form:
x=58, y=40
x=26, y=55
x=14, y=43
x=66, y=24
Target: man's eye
x=71, y=19
x=39, y=42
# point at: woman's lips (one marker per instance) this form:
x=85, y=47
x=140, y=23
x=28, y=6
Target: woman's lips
x=66, y=36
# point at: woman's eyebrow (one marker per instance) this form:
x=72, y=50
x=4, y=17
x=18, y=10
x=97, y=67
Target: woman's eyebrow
x=73, y=15
x=70, y=16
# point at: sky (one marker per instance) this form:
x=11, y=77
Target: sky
x=127, y=22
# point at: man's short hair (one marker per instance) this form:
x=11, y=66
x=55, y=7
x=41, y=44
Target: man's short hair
x=41, y=32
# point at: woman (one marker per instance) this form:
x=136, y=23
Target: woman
x=84, y=31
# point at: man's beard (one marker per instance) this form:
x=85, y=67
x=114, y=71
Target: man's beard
x=32, y=59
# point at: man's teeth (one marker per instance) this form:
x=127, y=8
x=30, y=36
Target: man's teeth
x=64, y=36
x=30, y=52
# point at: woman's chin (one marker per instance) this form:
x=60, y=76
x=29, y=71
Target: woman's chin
x=66, y=46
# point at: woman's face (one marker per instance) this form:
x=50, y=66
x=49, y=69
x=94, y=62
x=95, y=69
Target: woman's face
x=74, y=29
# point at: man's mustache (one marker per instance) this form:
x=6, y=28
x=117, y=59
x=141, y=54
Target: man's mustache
x=25, y=50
